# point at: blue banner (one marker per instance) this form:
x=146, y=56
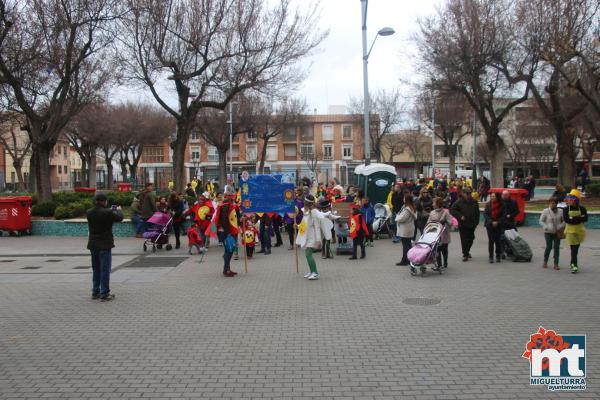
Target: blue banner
x=267, y=193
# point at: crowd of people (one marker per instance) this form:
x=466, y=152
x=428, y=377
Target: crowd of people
x=216, y=215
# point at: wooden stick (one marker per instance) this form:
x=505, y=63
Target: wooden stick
x=245, y=254
x=296, y=246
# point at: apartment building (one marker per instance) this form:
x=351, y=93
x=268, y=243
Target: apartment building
x=331, y=144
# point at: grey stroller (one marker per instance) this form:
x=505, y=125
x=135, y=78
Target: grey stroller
x=383, y=221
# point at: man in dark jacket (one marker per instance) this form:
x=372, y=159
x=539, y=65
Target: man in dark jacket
x=100, y=244
x=511, y=210
x=466, y=211
x=228, y=234
x=147, y=203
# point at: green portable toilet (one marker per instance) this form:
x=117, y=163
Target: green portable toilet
x=376, y=181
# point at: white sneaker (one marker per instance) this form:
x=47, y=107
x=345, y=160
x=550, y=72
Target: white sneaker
x=308, y=275
x=313, y=277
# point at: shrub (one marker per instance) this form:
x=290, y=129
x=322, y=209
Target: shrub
x=123, y=199
x=44, y=209
x=72, y=210
x=593, y=190
x=70, y=197
x=61, y=212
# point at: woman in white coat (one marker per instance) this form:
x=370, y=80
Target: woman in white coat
x=310, y=235
x=405, y=226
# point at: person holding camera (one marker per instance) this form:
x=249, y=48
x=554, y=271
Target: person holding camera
x=100, y=243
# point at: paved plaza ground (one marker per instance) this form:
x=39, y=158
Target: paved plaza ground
x=180, y=330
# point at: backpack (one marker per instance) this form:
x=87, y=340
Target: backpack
x=520, y=249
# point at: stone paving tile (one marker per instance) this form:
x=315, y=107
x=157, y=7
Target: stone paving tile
x=190, y=333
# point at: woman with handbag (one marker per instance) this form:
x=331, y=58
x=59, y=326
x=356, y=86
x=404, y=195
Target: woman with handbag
x=553, y=223
x=405, y=227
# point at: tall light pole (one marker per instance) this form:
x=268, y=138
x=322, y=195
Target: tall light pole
x=230, y=122
x=433, y=133
x=366, y=100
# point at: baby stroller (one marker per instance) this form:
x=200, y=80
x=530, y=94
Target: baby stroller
x=382, y=222
x=157, y=231
x=425, y=250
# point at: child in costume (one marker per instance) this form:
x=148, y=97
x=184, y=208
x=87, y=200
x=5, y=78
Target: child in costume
x=250, y=237
x=194, y=239
x=575, y=215
x=358, y=232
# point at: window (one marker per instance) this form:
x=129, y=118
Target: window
x=251, y=152
x=442, y=151
x=289, y=150
x=347, y=151
x=212, y=153
x=13, y=177
x=272, y=152
x=58, y=151
x=347, y=132
x=289, y=135
x=153, y=154
x=251, y=136
x=235, y=151
x=60, y=168
x=327, y=152
x=194, y=137
x=195, y=153
x=307, y=150
x=66, y=169
x=65, y=152
x=327, y=132
x=308, y=132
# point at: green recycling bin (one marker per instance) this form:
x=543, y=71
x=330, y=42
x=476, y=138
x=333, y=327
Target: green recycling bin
x=376, y=181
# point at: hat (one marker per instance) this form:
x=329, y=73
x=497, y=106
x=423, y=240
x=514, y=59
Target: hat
x=324, y=203
x=575, y=193
x=100, y=197
x=309, y=199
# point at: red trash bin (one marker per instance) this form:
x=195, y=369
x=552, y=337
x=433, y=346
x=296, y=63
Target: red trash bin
x=124, y=187
x=517, y=195
x=15, y=214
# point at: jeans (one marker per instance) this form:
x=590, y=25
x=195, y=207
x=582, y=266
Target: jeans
x=406, y=246
x=265, y=238
x=277, y=229
x=101, y=267
x=177, y=228
x=290, y=230
x=356, y=243
x=574, y=252
x=138, y=223
x=494, y=239
x=552, y=241
x=467, y=237
x=443, y=253
x=226, y=259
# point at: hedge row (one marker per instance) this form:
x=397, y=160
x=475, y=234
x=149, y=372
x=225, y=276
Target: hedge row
x=73, y=205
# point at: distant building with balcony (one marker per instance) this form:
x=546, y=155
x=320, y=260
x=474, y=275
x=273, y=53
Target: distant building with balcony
x=332, y=142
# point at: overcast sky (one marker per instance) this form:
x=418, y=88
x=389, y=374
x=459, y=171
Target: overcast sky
x=336, y=72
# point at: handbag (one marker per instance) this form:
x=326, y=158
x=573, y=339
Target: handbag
x=560, y=234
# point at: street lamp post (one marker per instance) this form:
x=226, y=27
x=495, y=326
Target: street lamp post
x=230, y=122
x=433, y=134
x=366, y=99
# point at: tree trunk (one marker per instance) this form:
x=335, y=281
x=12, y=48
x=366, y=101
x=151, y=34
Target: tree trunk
x=452, y=160
x=497, y=154
x=179, y=146
x=263, y=155
x=84, y=170
x=19, y=172
x=43, y=184
x=133, y=172
x=123, y=165
x=92, y=170
x=222, y=167
x=566, y=157
x=109, y=174
x=32, y=172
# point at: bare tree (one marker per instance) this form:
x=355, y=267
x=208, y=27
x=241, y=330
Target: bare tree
x=16, y=143
x=212, y=50
x=451, y=113
x=461, y=48
x=269, y=118
x=389, y=108
x=312, y=160
x=139, y=125
x=393, y=146
x=418, y=146
x=54, y=60
x=552, y=33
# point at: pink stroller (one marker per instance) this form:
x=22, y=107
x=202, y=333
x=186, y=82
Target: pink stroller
x=157, y=231
x=425, y=250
